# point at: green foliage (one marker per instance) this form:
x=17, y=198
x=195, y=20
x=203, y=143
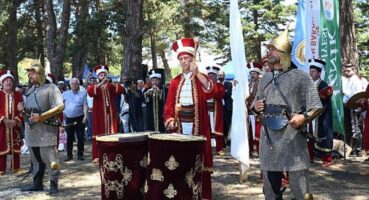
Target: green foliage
x=361, y=12
x=175, y=71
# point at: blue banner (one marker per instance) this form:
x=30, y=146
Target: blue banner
x=298, y=47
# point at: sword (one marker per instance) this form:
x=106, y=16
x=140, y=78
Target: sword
x=267, y=136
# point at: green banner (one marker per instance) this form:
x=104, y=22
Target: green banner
x=330, y=51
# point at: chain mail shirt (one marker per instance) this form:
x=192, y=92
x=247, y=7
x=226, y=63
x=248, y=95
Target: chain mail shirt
x=296, y=89
x=44, y=97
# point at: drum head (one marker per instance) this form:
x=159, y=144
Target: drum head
x=123, y=137
x=176, y=137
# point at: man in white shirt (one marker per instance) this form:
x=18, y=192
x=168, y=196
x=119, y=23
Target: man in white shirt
x=75, y=113
x=351, y=85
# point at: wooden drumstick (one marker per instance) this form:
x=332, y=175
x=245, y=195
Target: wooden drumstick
x=196, y=41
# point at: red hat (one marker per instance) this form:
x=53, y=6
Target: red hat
x=101, y=68
x=184, y=46
x=264, y=59
x=51, y=78
x=6, y=73
x=255, y=67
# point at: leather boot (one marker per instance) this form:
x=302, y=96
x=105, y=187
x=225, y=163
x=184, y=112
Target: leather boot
x=53, y=187
x=37, y=180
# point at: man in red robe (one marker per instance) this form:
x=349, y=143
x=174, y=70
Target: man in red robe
x=215, y=108
x=10, y=122
x=185, y=109
x=254, y=134
x=103, y=112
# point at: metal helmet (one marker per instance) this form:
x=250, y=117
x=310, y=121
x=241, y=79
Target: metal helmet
x=282, y=44
x=40, y=70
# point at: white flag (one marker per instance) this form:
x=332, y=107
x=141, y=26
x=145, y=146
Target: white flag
x=239, y=136
x=312, y=23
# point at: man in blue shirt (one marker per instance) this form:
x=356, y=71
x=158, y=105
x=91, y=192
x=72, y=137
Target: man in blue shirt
x=75, y=115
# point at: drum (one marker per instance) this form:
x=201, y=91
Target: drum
x=122, y=162
x=175, y=166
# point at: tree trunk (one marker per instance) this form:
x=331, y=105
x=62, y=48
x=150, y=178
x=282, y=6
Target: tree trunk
x=187, y=19
x=131, y=68
x=12, y=44
x=39, y=10
x=81, y=47
x=347, y=31
x=56, y=44
x=257, y=39
x=168, y=73
x=153, y=48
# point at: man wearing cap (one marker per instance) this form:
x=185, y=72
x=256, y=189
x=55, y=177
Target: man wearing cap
x=254, y=135
x=227, y=105
x=155, y=100
x=185, y=108
x=50, y=78
x=323, y=130
x=42, y=104
x=265, y=63
x=215, y=109
x=286, y=100
x=10, y=122
x=104, y=114
x=351, y=85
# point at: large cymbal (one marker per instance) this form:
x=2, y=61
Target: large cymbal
x=352, y=102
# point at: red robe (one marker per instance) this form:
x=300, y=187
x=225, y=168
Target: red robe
x=201, y=125
x=366, y=129
x=10, y=139
x=218, y=117
x=104, y=115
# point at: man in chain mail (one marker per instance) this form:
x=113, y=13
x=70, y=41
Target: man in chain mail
x=286, y=100
x=43, y=102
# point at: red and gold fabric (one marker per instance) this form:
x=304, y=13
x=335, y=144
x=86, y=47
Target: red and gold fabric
x=175, y=167
x=104, y=114
x=366, y=127
x=326, y=92
x=123, y=163
x=218, y=117
x=10, y=139
x=201, y=122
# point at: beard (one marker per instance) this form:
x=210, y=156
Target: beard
x=273, y=60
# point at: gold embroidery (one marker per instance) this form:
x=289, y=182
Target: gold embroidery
x=144, y=162
x=114, y=186
x=189, y=178
x=148, y=158
x=146, y=187
x=170, y=192
x=196, y=189
x=113, y=165
x=127, y=175
x=180, y=84
x=196, y=107
x=157, y=175
x=116, y=165
x=172, y=164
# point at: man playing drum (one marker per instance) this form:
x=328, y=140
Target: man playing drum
x=185, y=109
